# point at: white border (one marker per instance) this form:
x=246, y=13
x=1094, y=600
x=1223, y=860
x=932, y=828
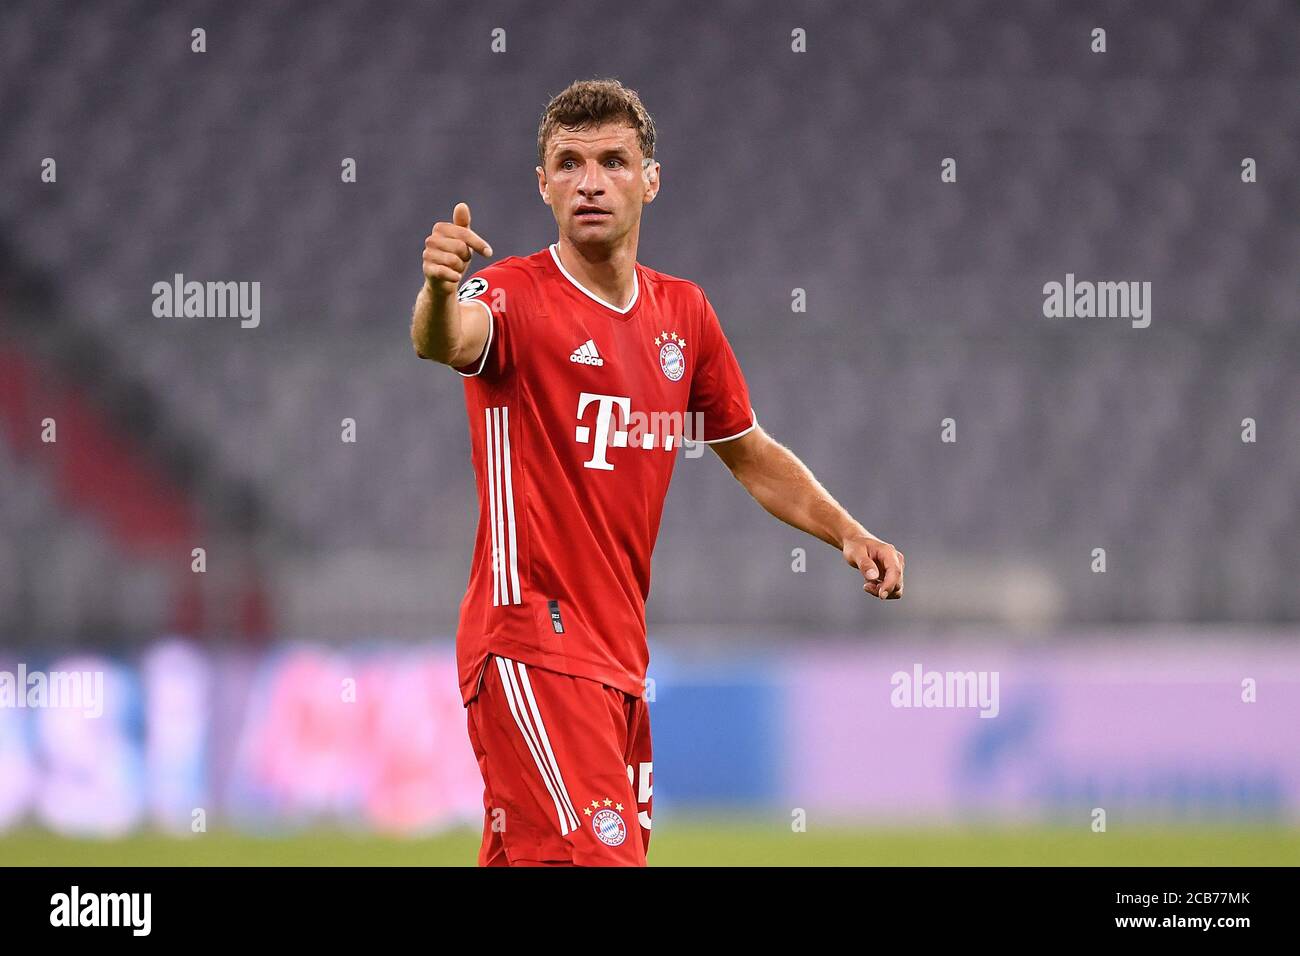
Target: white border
x=486, y=346
x=753, y=425
x=636, y=285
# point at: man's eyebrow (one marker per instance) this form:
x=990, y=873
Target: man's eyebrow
x=565, y=151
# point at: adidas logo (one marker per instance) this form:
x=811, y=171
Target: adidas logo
x=586, y=354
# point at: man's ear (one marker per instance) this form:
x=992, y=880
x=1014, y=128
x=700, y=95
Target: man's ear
x=650, y=174
x=542, y=186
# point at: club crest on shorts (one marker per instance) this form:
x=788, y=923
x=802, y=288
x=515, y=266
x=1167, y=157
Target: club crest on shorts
x=672, y=355
x=606, y=823
x=472, y=289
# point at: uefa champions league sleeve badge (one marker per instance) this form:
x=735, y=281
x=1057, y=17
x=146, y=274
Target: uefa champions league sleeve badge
x=472, y=289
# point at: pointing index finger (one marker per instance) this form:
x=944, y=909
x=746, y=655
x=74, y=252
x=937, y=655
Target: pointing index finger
x=460, y=216
x=477, y=243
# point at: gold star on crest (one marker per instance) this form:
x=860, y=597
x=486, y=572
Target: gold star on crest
x=618, y=807
x=608, y=802
x=587, y=810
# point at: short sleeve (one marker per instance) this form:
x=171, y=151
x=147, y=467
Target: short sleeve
x=719, y=394
x=492, y=290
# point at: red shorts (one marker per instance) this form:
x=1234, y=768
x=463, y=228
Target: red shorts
x=566, y=769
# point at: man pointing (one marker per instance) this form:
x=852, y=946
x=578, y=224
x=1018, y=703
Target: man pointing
x=583, y=373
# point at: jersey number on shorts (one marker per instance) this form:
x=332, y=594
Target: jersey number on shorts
x=644, y=791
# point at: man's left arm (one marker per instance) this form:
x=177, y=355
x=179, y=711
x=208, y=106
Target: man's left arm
x=784, y=486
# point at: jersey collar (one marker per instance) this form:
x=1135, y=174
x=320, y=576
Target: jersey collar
x=636, y=285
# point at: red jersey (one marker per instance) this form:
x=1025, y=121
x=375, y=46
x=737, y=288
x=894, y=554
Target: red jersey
x=577, y=411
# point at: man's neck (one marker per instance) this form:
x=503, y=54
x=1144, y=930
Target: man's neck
x=608, y=273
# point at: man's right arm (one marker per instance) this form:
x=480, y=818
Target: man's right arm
x=441, y=329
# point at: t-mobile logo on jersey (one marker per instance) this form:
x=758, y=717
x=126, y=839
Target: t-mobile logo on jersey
x=640, y=429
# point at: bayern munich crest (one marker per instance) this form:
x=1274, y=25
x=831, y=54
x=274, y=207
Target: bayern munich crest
x=607, y=824
x=672, y=355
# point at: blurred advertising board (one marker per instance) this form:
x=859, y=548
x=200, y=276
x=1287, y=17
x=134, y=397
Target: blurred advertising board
x=373, y=736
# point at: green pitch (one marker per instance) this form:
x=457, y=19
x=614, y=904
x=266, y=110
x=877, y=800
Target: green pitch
x=697, y=842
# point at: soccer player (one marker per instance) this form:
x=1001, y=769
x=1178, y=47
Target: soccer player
x=584, y=373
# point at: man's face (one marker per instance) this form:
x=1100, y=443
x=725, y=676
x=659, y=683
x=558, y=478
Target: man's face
x=596, y=181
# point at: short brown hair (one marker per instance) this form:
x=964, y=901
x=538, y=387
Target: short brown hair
x=587, y=103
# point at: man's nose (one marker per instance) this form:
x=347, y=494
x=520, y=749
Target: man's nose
x=592, y=183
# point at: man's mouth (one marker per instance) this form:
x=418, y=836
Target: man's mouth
x=591, y=213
